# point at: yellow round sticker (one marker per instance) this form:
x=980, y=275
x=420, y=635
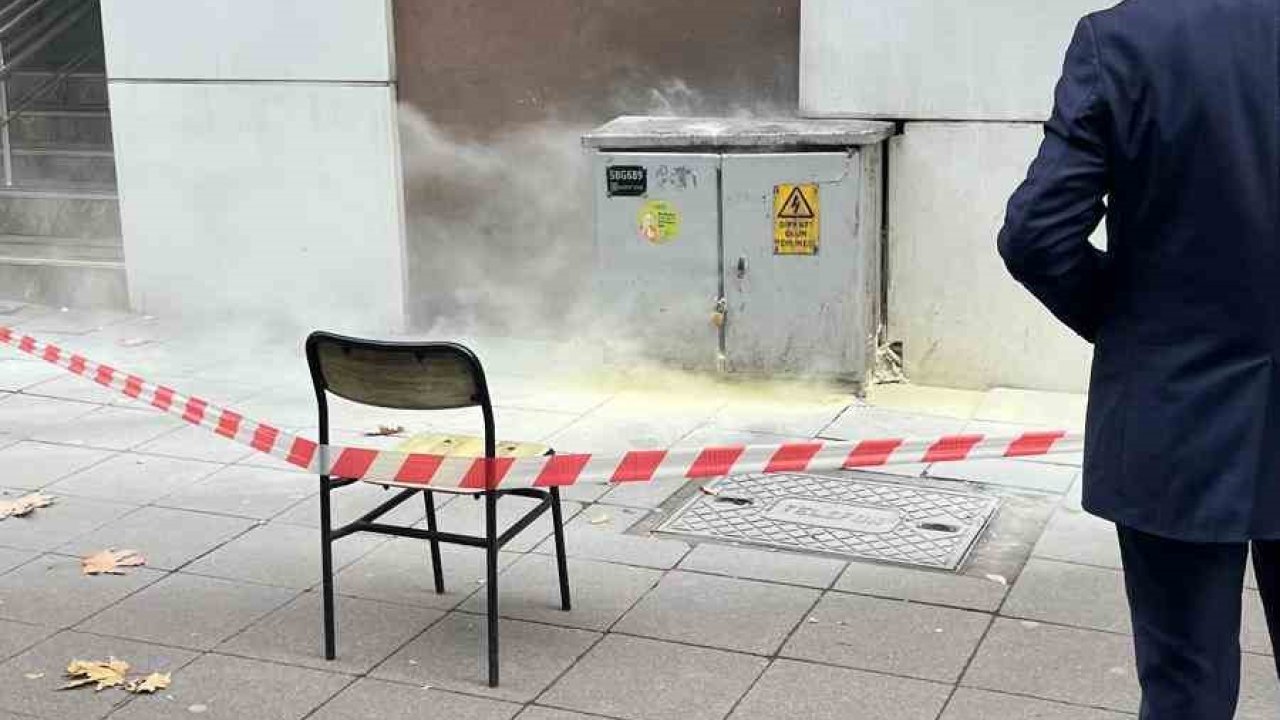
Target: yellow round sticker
x=659, y=222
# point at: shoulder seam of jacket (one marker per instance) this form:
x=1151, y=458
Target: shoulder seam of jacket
x=1097, y=61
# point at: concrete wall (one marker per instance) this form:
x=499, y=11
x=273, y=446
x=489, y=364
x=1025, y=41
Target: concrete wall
x=973, y=81
x=485, y=65
x=258, y=158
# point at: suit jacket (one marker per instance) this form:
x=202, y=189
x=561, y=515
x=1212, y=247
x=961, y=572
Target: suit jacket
x=1167, y=122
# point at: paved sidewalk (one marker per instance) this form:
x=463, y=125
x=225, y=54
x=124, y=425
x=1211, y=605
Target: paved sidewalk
x=661, y=629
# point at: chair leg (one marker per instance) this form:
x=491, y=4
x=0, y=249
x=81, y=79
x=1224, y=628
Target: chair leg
x=436, y=566
x=326, y=571
x=491, y=551
x=562, y=563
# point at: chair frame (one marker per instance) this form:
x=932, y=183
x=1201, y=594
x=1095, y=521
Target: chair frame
x=491, y=542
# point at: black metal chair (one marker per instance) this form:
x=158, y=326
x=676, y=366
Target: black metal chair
x=418, y=376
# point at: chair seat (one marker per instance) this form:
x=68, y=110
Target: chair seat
x=467, y=446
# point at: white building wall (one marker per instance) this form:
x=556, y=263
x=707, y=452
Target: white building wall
x=962, y=320
x=934, y=59
x=258, y=159
x=973, y=81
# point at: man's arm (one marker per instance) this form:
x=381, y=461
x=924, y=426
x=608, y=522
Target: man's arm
x=1045, y=240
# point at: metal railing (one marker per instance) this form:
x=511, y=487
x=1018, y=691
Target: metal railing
x=26, y=28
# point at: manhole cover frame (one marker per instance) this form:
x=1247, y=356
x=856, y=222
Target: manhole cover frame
x=716, y=491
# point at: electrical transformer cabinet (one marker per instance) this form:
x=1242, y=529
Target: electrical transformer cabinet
x=744, y=246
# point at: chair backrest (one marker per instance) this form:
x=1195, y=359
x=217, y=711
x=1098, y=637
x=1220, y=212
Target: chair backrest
x=407, y=376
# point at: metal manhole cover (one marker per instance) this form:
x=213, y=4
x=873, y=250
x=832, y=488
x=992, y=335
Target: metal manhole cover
x=848, y=516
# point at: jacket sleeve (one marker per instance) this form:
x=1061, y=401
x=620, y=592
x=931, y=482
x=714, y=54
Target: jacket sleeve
x=1045, y=240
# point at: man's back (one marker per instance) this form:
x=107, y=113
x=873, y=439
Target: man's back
x=1171, y=110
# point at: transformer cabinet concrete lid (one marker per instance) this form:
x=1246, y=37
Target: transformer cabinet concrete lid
x=632, y=132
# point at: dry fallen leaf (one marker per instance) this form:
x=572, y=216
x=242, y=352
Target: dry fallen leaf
x=151, y=683
x=24, y=505
x=110, y=562
x=386, y=431
x=105, y=674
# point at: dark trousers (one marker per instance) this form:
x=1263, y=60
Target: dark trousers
x=1185, y=600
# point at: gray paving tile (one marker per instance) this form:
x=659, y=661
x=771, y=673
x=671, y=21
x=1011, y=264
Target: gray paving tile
x=282, y=555
x=790, y=419
x=603, y=433
x=52, y=590
x=597, y=534
x=16, y=637
x=601, y=592
x=643, y=495
x=1080, y=538
x=353, y=501
x=1259, y=690
x=168, y=538
x=1067, y=594
x=641, y=679
x=197, y=444
x=769, y=566
x=64, y=386
x=66, y=519
x=389, y=701
x=10, y=558
x=40, y=696
x=1082, y=667
x=32, y=466
x=188, y=611
x=74, y=322
x=922, y=641
x=243, y=491
x=836, y=694
x=512, y=392
x=863, y=422
x=937, y=588
x=1253, y=632
x=1008, y=473
x=713, y=435
x=132, y=478
x=368, y=632
x=522, y=424
x=400, y=572
x=282, y=408
x=452, y=655
x=111, y=428
x=725, y=613
x=25, y=415
x=534, y=712
x=970, y=704
x=465, y=515
x=18, y=374
x=228, y=688
x=585, y=493
x=1094, y=598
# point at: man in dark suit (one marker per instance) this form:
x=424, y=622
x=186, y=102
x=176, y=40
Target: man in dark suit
x=1167, y=122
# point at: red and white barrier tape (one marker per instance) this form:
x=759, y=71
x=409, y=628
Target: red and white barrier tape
x=416, y=470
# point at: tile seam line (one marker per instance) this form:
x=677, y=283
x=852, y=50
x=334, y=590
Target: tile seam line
x=604, y=634
x=968, y=663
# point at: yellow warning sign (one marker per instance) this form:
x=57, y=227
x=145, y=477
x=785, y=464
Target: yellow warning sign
x=796, y=217
x=659, y=222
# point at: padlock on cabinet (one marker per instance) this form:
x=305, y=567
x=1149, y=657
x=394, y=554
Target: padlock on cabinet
x=720, y=313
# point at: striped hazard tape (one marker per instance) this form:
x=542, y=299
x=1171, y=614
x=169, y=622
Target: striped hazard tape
x=416, y=470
